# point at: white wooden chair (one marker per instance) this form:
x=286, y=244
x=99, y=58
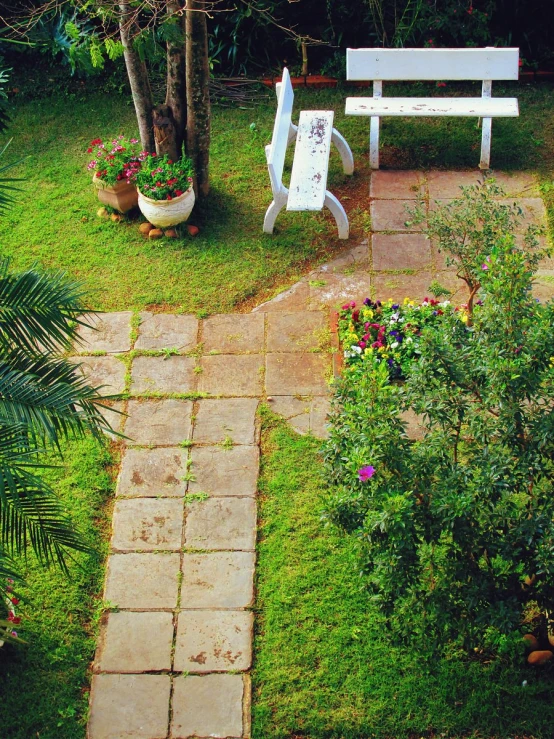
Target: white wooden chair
x=382, y=65
x=310, y=167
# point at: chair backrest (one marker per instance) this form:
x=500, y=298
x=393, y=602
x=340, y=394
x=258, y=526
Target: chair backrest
x=432, y=64
x=281, y=128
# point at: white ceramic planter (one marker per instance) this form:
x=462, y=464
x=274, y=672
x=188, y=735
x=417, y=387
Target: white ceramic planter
x=165, y=213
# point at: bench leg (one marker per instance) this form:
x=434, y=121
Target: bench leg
x=374, y=143
x=339, y=214
x=344, y=150
x=486, y=144
x=271, y=214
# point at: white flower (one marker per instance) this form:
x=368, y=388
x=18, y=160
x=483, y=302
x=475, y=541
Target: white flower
x=408, y=340
x=394, y=344
x=356, y=349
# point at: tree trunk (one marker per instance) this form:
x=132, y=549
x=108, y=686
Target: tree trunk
x=176, y=94
x=165, y=132
x=198, y=94
x=138, y=78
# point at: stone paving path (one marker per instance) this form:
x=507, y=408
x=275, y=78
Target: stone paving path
x=176, y=647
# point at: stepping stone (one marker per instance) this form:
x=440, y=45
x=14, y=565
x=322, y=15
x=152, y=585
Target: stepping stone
x=105, y=373
x=534, y=213
x=142, y=581
x=517, y=183
x=415, y=429
x=297, y=332
x=398, y=287
x=297, y=374
x=167, y=331
x=147, y=524
x=229, y=334
x=294, y=299
x=218, y=580
x=158, y=422
x=225, y=472
x=221, y=523
x=163, y=375
x=153, y=473
x=392, y=215
x=332, y=291
x=231, y=375
x=129, y=706
x=400, y=251
x=395, y=185
x=213, y=641
x=233, y=419
x=135, y=642
x=106, y=332
x=305, y=415
x=207, y=706
x=447, y=184
x=114, y=414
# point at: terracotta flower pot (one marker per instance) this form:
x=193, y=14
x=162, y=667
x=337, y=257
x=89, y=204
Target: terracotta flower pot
x=165, y=213
x=122, y=196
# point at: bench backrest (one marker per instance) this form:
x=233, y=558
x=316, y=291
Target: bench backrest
x=432, y=64
x=281, y=128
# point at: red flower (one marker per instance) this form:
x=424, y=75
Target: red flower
x=15, y=601
x=441, y=84
x=178, y=192
x=89, y=150
x=169, y=197
x=95, y=141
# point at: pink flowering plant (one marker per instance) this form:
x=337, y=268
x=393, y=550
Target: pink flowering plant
x=160, y=178
x=118, y=160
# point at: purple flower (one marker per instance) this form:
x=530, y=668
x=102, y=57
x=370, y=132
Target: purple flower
x=484, y=266
x=395, y=306
x=366, y=473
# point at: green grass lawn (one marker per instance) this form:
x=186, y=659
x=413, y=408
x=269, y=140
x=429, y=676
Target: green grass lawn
x=231, y=265
x=325, y=666
x=45, y=682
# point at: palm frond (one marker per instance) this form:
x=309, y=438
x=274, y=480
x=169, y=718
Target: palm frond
x=6, y=187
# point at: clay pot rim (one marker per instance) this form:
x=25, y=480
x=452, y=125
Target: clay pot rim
x=177, y=199
x=101, y=185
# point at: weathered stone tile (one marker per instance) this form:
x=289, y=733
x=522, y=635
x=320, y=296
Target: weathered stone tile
x=392, y=215
x=153, y=473
x=207, y=705
x=395, y=185
x=147, y=524
x=297, y=332
x=295, y=298
x=398, y=287
x=135, y=642
x=305, y=415
x=447, y=184
x=543, y=285
x=158, y=422
x=228, y=418
x=231, y=333
x=106, y=332
x=167, y=331
x=105, y=373
x=221, y=523
x=129, y=706
x=356, y=256
x=517, y=183
x=225, y=472
x=113, y=413
x=213, y=641
x=334, y=290
x=142, y=581
x=218, y=580
x=415, y=429
x=163, y=375
x=458, y=288
x=231, y=374
x=297, y=374
x=400, y=251
x=534, y=212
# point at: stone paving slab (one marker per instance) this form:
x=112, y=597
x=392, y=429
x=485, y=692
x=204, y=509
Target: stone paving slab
x=230, y=334
x=534, y=213
x=333, y=290
x=297, y=332
x=293, y=299
x=297, y=374
x=446, y=184
x=208, y=706
x=114, y=414
x=142, y=581
x=106, y=332
x=225, y=472
x=147, y=524
x=401, y=251
x=136, y=642
x=305, y=415
x=397, y=184
x=221, y=523
x=153, y=473
x=213, y=641
x=398, y=287
x=158, y=422
x=163, y=375
x=105, y=373
x=167, y=331
x=235, y=375
x=229, y=418
x=218, y=580
x=134, y=706
x=392, y=215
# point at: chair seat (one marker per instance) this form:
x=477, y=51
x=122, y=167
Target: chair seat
x=462, y=107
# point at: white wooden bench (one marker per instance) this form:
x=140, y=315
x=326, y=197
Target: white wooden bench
x=381, y=65
x=308, y=181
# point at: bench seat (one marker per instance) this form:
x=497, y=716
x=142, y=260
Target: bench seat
x=457, y=107
x=308, y=179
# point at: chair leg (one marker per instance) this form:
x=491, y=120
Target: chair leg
x=374, y=143
x=339, y=214
x=344, y=150
x=486, y=144
x=271, y=215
